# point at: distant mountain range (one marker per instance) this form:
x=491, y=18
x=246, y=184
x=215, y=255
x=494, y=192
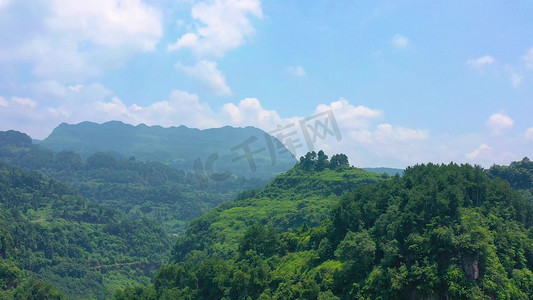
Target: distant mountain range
x=388, y=171
x=211, y=153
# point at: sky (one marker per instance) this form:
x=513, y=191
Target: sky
x=404, y=82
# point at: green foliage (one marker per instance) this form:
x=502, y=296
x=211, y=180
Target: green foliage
x=57, y=236
x=387, y=171
x=138, y=189
x=262, y=240
x=519, y=174
x=289, y=201
x=440, y=231
x=37, y=290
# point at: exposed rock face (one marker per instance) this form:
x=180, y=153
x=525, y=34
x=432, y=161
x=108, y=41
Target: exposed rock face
x=471, y=268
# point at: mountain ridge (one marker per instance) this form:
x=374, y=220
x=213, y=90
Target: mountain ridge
x=178, y=146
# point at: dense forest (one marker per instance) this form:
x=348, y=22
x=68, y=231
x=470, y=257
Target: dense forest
x=438, y=232
x=137, y=188
x=52, y=234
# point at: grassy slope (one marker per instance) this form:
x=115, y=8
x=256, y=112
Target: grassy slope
x=292, y=199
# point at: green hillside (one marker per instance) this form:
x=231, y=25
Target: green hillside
x=438, y=232
x=302, y=195
x=137, y=188
x=178, y=146
x=50, y=233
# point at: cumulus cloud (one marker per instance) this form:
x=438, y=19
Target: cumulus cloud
x=207, y=74
x=481, y=62
x=399, y=41
x=482, y=149
x=528, y=58
x=296, y=71
x=108, y=23
x=386, y=132
x=181, y=108
x=529, y=134
x=351, y=117
x=250, y=112
x=62, y=39
x=221, y=26
x=499, y=124
x=24, y=102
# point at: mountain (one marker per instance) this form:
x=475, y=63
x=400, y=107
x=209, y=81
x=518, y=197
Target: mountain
x=248, y=151
x=49, y=233
x=437, y=232
x=137, y=188
x=388, y=171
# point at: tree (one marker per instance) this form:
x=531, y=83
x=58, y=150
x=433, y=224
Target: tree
x=322, y=161
x=338, y=160
x=263, y=240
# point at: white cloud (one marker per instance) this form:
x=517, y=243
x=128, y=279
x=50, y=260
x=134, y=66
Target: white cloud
x=296, y=71
x=363, y=136
x=528, y=58
x=529, y=134
x=399, y=41
x=75, y=88
x=515, y=78
x=223, y=25
x=70, y=39
x=187, y=40
x=3, y=102
x=481, y=62
x=111, y=23
x=386, y=132
x=249, y=112
x=369, y=143
x=181, y=108
x=351, y=117
x=208, y=75
x=25, y=102
x=498, y=123
x=482, y=149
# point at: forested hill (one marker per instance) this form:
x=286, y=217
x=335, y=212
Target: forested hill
x=302, y=195
x=137, y=188
x=438, y=232
x=53, y=234
x=179, y=146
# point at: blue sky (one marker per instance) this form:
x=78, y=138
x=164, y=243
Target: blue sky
x=407, y=81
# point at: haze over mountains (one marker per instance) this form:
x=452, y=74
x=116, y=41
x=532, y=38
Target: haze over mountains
x=245, y=151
